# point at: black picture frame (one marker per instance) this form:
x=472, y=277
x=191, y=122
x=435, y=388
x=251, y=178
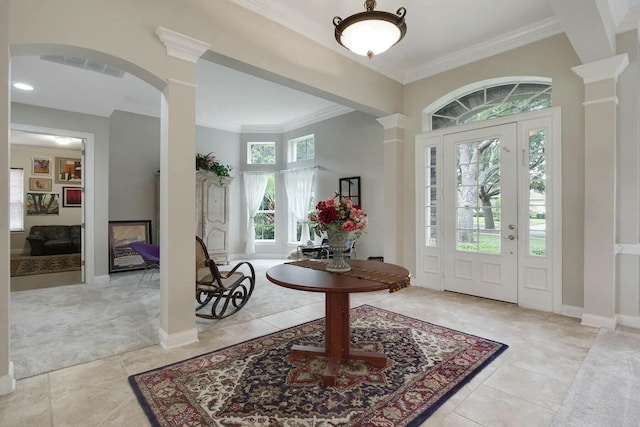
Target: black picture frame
x=121, y=235
x=350, y=187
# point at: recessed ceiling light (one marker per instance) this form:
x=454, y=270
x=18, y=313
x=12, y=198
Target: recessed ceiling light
x=63, y=141
x=23, y=86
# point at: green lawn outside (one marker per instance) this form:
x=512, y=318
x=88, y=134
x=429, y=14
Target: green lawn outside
x=490, y=243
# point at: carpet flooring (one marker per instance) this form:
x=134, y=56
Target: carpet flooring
x=55, y=328
x=257, y=383
x=28, y=266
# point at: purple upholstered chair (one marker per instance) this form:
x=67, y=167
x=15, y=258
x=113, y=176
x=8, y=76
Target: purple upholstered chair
x=151, y=256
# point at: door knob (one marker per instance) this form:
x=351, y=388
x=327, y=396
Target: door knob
x=512, y=227
x=511, y=237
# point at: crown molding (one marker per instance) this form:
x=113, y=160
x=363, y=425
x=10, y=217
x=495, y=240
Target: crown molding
x=328, y=113
x=181, y=46
x=526, y=35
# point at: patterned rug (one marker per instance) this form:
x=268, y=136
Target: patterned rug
x=27, y=266
x=255, y=383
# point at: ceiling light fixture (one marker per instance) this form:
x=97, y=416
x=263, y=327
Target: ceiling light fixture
x=370, y=33
x=62, y=140
x=23, y=86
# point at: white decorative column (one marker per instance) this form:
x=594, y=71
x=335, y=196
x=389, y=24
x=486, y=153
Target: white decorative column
x=7, y=380
x=394, y=126
x=177, y=195
x=600, y=81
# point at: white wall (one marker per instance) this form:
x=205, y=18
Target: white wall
x=21, y=157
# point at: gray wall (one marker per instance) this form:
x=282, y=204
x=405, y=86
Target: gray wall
x=345, y=146
x=134, y=159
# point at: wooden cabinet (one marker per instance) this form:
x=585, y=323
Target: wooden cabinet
x=212, y=214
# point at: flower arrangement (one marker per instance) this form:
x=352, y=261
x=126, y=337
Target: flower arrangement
x=338, y=215
x=208, y=162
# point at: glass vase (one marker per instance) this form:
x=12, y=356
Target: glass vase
x=338, y=246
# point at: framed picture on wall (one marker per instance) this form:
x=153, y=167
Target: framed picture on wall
x=121, y=235
x=40, y=166
x=43, y=204
x=68, y=170
x=40, y=184
x=71, y=197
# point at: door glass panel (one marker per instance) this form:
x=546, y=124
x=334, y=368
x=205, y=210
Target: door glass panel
x=537, y=193
x=430, y=197
x=478, y=196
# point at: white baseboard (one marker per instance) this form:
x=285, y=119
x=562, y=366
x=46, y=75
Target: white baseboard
x=101, y=280
x=20, y=252
x=630, y=321
x=598, y=321
x=177, y=340
x=8, y=382
x=571, y=311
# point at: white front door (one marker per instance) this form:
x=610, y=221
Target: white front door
x=489, y=209
x=481, y=212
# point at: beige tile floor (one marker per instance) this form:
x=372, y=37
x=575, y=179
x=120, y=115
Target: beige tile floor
x=525, y=386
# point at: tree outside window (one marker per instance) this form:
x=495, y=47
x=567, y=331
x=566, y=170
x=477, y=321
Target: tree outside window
x=261, y=153
x=265, y=219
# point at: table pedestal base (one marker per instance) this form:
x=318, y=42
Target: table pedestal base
x=379, y=360
x=337, y=340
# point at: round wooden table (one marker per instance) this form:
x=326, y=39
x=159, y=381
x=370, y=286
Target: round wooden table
x=337, y=288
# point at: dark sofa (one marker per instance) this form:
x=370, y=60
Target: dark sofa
x=54, y=239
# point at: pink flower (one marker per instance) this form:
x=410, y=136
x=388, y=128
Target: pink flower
x=329, y=202
x=348, y=226
x=360, y=225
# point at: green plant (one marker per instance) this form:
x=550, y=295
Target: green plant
x=208, y=162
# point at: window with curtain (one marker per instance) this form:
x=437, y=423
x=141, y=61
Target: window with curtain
x=265, y=218
x=16, y=200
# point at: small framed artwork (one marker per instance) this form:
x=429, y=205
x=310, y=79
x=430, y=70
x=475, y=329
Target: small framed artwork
x=121, y=235
x=43, y=204
x=40, y=166
x=68, y=171
x=71, y=197
x=40, y=184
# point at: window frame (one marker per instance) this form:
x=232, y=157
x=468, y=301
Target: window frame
x=293, y=148
x=269, y=211
x=254, y=143
x=15, y=203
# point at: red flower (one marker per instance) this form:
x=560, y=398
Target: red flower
x=328, y=215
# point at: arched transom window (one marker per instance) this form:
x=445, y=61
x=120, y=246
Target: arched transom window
x=491, y=102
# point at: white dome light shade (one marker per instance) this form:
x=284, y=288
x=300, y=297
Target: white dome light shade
x=370, y=33
x=373, y=36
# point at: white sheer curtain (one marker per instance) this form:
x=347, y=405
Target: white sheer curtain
x=255, y=184
x=299, y=184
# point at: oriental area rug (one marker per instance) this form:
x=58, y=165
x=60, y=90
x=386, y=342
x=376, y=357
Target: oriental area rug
x=27, y=266
x=256, y=383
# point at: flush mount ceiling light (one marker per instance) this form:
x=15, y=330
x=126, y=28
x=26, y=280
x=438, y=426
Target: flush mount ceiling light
x=370, y=33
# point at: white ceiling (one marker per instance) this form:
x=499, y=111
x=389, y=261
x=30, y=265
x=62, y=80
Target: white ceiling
x=440, y=36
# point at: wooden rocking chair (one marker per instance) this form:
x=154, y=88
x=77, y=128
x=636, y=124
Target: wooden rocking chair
x=229, y=290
